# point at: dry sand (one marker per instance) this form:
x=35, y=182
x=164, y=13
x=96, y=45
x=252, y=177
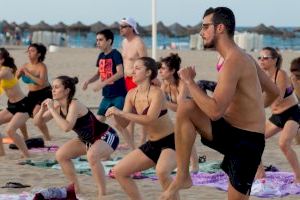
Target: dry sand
x=81, y=62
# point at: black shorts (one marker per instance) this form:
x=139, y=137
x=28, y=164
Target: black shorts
x=242, y=151
x=37, y=97
x=292, y=113
x=152, y=149
x=22, y=106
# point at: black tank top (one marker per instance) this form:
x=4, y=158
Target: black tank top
x=88, y=128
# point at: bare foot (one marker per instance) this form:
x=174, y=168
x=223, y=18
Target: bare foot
x=195, y=169
x=179, y=183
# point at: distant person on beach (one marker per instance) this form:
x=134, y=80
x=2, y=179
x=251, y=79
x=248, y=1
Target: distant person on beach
x=285, y=110
x=35, y=75
x=132, y=48
x=175, y=91
x=146, y=105
x=95, y=139
x=295, y=76
x=230, y=121
x=18, y=106
x=109, y=78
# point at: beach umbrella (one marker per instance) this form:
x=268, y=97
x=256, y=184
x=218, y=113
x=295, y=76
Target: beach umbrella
x=41, y=26
x=261, y=29
x=178, y=30
x=6, y=26
x=98, y=26
x=142, y=31
x=194, y=29
x=161, y=28
x=60, y=27
x=79, y=27
x=24, y=26
x=114, y=27
x=297, y=29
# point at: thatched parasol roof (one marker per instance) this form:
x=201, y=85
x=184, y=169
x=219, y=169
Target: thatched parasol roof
x=98, y=26
x=79, y=27
x=161, y=28
x=41, y=26
x=60, y=27
x=178, y=30
x=24, y=26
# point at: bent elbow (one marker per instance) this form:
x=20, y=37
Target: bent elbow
x=216, y=115
x=67, y=129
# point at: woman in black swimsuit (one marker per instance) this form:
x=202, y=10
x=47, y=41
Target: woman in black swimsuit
x=285, y=111
x=146, y=105
x=95, y=139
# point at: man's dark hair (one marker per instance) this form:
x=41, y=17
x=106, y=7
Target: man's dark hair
x=108, y=34
x=222, y=15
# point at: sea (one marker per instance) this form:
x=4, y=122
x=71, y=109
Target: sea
x=88, y=40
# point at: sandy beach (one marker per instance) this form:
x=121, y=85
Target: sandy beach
x=80, y=62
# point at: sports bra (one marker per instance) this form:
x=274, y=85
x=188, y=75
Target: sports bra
x=289, y=90
x=7, y=83
x=27, y=80
x=219, y=65
x=145, y=111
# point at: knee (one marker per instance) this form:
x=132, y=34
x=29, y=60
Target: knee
x=10, y=132
x=162, y=174
x=92, y=159
x=119, y=173
x=60, y=156
x=185, y=107
x=284, y=146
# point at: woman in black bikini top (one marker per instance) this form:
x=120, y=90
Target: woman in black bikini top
x=146, y=105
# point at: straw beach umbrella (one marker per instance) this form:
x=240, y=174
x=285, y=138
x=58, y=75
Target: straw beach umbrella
x=194, y=29
x=79, y=27
x=261, y=29
x=161, y=28
x=41, y=26
x=178, y=30
x=24, y=26
x=60, y=27
x=114, y=27
x=98, y=26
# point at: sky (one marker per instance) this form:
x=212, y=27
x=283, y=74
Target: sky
x=186, y=12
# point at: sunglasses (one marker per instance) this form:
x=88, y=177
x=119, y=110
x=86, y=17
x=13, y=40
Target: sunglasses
x=206, y=26
x=264, y=57
x=124, y=26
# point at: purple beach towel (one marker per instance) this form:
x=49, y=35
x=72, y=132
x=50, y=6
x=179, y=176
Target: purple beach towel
x=276, y=184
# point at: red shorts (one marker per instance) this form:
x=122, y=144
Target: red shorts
x=129, y=83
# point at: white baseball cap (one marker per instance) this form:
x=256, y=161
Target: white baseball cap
x=131, y=22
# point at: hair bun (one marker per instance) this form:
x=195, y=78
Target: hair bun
x=75, y=80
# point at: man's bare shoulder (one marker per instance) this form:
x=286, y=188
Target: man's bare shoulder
x=239, y=60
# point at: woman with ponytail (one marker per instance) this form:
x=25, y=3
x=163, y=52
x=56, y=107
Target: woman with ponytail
x=285, y=110
x=175, y=91
x=95, y=139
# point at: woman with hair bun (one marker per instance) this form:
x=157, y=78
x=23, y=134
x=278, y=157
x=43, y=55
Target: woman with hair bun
x=95, y=139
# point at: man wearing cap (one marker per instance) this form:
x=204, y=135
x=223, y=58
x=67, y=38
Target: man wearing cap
x=133, y=47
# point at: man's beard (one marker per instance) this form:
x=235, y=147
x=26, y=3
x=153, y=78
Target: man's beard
x=211, y=45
